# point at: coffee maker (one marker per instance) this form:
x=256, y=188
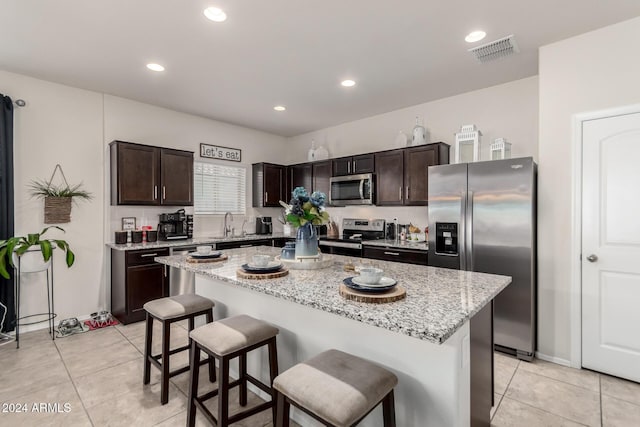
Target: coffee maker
x=175, y=226
x=264, y=225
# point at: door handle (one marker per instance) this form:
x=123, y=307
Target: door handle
x=592, y=258
x=469, y=231
x=155, y=192
x=400, y=193
x=407, y=193
x=148, y=255
x=392, y=253
x=361, y=189
x=164, y=192
x=245, y=246
x=354, y=166
x=349, y=167
x=266, y=197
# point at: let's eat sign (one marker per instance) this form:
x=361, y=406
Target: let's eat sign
x=220, y=153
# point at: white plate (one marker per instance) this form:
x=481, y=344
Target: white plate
x=271, y=265
x=385, y=281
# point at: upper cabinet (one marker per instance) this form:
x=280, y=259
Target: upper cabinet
x=353, y=165
x=312, y=176
x=147, y=175
x=269, y=184
x=401, y=175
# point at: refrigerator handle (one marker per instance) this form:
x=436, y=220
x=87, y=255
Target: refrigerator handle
x=462, y=240
x=469, y=235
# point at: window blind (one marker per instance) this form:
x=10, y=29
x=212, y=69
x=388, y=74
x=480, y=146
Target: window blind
x=219, y=189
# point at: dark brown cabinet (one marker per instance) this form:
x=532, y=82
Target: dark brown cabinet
x=269, y=186
x=136, y=279
x=321, y=173
x=416, y=162
x=389, y=178
x=408, y=256
x=401, y=175
x=147, y=175
x=299, y=176
x=244, y=244
x=353, y=165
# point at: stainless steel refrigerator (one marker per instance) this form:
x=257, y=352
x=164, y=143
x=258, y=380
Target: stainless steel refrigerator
x=482, y=217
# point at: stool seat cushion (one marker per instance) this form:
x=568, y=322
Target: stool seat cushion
x=232, y=334
x=178, y=305
x=336, y=386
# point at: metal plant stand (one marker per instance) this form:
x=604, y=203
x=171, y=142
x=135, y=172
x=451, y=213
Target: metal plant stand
x=50, y=315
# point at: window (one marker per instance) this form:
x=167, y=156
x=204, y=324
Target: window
x=219, y=189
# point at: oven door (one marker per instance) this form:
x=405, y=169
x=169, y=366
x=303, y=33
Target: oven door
x=351, y=190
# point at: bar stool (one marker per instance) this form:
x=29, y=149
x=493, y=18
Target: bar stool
x=224, y=340
x=335, y=388
x=167, y=311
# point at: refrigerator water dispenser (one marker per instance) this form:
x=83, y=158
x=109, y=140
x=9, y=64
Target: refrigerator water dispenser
x=447, y=238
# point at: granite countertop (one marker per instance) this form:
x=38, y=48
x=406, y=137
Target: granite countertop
x=438, y=302
x=194, y=241
x=402, y=244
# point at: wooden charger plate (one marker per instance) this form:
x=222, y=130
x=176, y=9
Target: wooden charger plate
x=391, y=295
x=192, y=260
x=262, y=276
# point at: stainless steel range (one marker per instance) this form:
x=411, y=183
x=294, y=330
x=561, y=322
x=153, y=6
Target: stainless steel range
x=354, y=231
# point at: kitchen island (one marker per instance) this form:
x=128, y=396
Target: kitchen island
x=437, y=340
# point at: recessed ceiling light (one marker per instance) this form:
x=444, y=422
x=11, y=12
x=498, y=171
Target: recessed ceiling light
x=215, y=14
x=348, y=83
x=475, y=36
x=155, y=67
x=279, y=108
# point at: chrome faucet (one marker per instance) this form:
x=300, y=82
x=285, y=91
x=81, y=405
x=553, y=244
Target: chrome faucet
x=227, y=228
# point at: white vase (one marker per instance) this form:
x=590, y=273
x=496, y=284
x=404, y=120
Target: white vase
x=31, y=261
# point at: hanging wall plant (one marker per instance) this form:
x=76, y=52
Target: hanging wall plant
x=57, y=198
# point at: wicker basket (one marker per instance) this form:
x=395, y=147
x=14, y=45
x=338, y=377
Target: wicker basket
x=57, y=210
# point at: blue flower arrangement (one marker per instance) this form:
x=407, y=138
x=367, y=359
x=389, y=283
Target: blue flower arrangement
x=303, y=208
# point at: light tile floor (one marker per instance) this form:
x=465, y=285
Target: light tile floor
x=99, y=374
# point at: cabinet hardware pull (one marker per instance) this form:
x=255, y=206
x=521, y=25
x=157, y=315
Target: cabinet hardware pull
x=348, y=167
x=392, y=253
x=407, y=193
x=148, y=255
x=165, y=270
x=155, y=192
x=164, y=192
x=246, y=246
x=266, y=197
x=354, y=166
x=400, y=193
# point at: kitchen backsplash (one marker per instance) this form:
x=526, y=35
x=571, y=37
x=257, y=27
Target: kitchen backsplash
x=212, y=225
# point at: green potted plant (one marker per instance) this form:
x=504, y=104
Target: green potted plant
x=17, y=246
x=57, y=198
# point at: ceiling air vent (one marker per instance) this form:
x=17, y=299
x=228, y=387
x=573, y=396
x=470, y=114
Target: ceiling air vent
x=496, y=49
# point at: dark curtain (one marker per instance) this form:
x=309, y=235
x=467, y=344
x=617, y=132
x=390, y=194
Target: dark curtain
x=6, y=202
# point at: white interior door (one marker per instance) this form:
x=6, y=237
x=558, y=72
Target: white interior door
x=611, y=245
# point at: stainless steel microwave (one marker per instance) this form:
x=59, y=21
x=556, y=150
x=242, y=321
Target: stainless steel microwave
x=352, y=190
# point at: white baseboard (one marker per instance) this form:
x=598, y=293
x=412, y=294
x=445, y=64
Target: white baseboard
x=553, y=359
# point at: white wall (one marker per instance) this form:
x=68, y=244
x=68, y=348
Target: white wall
x=593, y=71
x=73, y=127
x=133, y=121
x=509, y=110
x=62, y=125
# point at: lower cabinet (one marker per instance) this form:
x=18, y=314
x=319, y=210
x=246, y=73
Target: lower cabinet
x=136, y=279
x=244, y=244
x=408, y=256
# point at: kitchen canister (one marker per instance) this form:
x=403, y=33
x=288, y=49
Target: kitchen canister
x=152, y=235
x=121, y=237
x=136, y=236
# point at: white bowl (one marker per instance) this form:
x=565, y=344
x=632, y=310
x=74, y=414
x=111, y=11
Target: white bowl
x=261, y=260
x=370, y=275
x=203, y=250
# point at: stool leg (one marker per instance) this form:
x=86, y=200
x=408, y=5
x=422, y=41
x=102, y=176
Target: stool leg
x=243, y=379
x=193, y=383
x=147, y=350
x=273, y=373
x=223, y=393
x=164, y=392
x=282, y=410
x=388, y=410
x=212, y=361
